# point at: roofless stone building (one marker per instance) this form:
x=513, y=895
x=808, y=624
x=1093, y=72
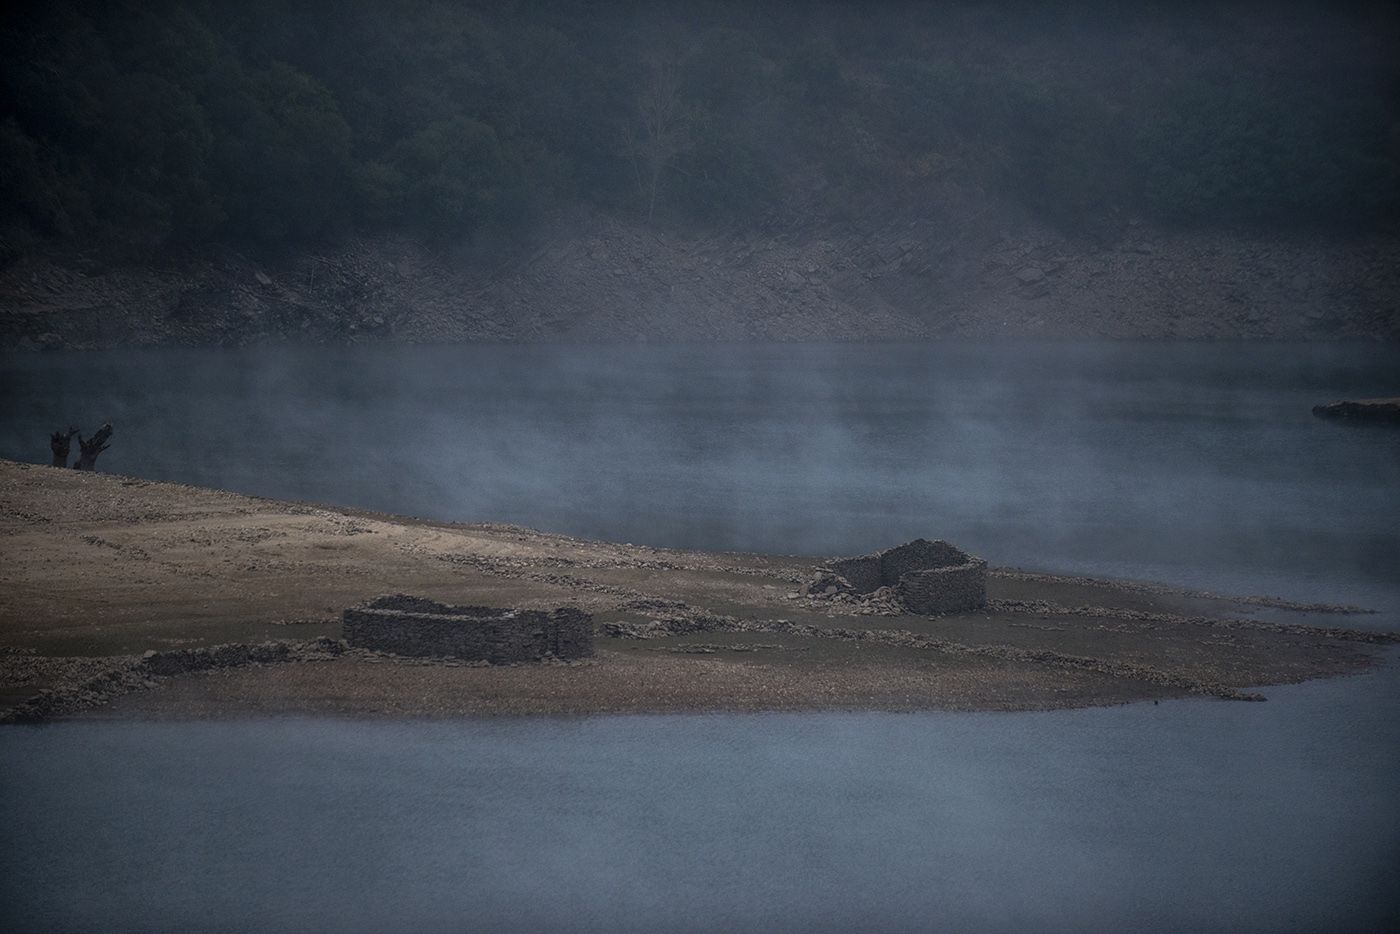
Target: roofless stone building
x=928, y=577
x=407, y=625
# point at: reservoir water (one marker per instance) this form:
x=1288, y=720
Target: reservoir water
x=1198, y=464
x=1191, y=463
x=1183, y=816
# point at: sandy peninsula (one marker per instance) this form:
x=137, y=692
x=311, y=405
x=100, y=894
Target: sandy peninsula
x=123, y=597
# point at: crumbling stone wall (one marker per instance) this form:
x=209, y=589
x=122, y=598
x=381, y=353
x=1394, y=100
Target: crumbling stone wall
x=945, y=590
x=927, y=577
x=415, y=626
x=862, y=573
x=918, y=555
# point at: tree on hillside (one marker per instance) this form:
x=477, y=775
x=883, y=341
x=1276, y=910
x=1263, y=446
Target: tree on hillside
x=662, y=130
x=284, y=152
x=457, y=176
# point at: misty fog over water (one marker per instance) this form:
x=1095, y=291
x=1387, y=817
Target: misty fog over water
x=383, y=188
x=1195, y=463
x=1198, y=464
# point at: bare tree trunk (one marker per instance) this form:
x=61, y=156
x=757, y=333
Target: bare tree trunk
x=59, y=443
x=651, y=194
x=87, y=460
x=663, y=130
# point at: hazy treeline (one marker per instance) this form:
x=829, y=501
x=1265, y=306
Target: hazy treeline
x=292, y=122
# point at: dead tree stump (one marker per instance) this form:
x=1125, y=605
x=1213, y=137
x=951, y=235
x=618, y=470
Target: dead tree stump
x=59, y=443
x=87, y=459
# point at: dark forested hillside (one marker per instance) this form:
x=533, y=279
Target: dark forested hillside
x=153, y=123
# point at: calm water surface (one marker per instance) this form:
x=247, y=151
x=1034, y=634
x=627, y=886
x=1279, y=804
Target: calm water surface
x=1188, y=816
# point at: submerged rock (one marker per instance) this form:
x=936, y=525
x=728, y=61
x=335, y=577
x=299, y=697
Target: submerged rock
x=1371, y=410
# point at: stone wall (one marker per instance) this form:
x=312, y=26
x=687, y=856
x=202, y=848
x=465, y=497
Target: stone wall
x=125, y=674
x=944, y=590
x=918, y=555
x=862, y=573
x=414, y=626
x=927, y=577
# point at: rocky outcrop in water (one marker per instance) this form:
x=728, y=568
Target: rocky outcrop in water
x=1385, y=411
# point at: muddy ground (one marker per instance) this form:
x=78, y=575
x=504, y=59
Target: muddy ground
x=99, y=570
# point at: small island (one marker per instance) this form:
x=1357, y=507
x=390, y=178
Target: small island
x=125, y=597
x=1367, y=410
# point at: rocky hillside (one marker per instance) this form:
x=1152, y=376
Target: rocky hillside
x=727, y=170
x=593, y=276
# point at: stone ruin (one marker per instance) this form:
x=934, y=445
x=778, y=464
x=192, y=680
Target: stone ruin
x=924, y=577
x=405, y=625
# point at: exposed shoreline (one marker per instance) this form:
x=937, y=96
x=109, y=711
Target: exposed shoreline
x=128, y=598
